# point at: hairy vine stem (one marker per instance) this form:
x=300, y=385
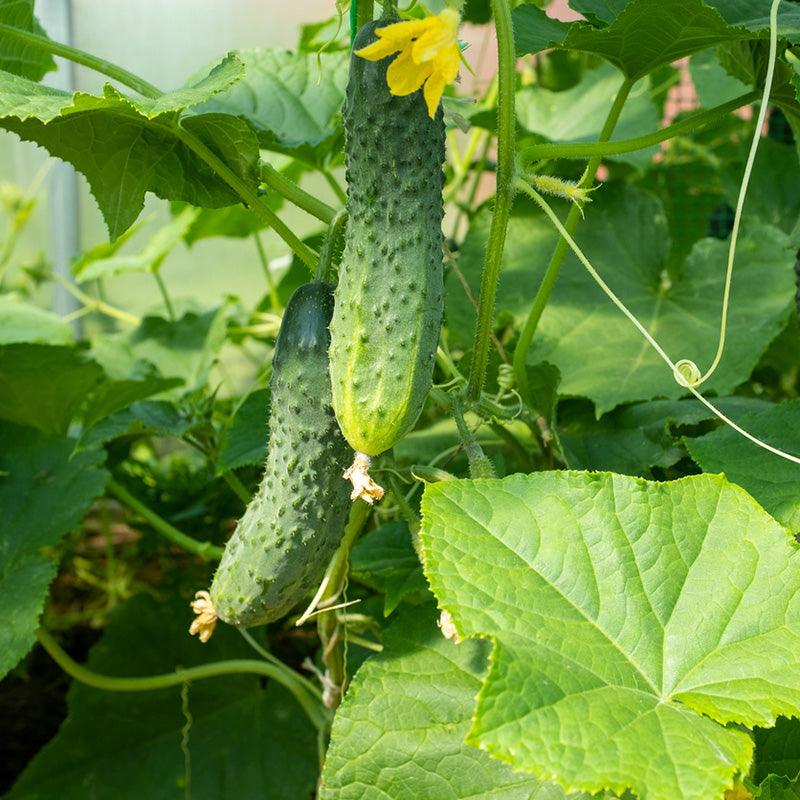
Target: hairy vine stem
x=113, y=71
x=206, y=550
x=294, y=194
x=504, y=199
x=561, y=249
x=702, y=119
x=309, y=701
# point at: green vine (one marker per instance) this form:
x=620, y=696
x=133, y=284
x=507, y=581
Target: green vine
x=695, y=122
x=206, y=550
x=506, y=73
x=308, y=700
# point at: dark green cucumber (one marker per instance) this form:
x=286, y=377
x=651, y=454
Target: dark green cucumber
x=281, y=546
x=388, y=313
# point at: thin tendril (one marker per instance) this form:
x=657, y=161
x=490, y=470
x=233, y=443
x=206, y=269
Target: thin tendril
x=762, y=114
x=678, y=369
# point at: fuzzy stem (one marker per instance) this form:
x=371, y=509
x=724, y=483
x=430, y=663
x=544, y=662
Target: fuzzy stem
x=335, y=229
x=100, y=65
x=328, y=628
x=561, y=249
x=506, y=74
x=237, y=486
x=304, y=697
x=536, y=152
x=294, y=194
x=206, y=550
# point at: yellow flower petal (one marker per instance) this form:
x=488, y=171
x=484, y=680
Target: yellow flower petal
x=404, y=76
x=434, y=87
x=378, y=50
x=441, y=33
x=403, y=32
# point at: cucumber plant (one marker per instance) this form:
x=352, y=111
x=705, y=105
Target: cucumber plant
x=582, y=580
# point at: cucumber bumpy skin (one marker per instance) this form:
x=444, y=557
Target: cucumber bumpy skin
x=291, y=528
x=388, y=311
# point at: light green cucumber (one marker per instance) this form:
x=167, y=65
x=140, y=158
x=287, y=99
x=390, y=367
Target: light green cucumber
x=388, y=311
x=282, y=545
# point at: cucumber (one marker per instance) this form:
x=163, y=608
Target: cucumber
x=291, y=528
x=388, y=309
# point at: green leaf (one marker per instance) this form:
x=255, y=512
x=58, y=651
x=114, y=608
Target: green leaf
x=245, y=440
x=631, y=622
x=772, y=195
x=44, y=492
x=244, y=739
x=138, y=144
x=645, y=35
x=632, y=439
x=45, y=385
x=49, y=386
x=599, y=354
x=385, y=560
x=779, y=788
x=148, y=418
x=399, y=733
x=22, y=322
x=185, y=348
x=111, y=396
x=773, y=481
x=712, y=83
x=578, y=114
x=17, y=57
x=777, y=750
x=149, y=259
x=292, y=100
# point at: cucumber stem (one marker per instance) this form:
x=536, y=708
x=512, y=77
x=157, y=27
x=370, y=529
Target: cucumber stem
x=506, y=73
x=364, y=488
x=294, y=194
x=206, y=550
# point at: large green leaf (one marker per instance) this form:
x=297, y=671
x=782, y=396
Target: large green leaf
x=244, y=739
x=578, y=114
x=772, y=480
x=184, y=348
x=779, y=788
x=44, y=491
x=15, y=56
x=648, y=33
x=772, y=195
x=777, y=750
x=45, y=385
x=22, y=322
x=245, y=439
x=137, y=145
x=632, y=439
x=292, y=100
x=399, y=733
x=631, y=622
x=49, y=386
x=600, y=354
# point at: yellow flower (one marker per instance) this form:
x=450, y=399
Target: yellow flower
x=428, y=54
x=739, y=792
